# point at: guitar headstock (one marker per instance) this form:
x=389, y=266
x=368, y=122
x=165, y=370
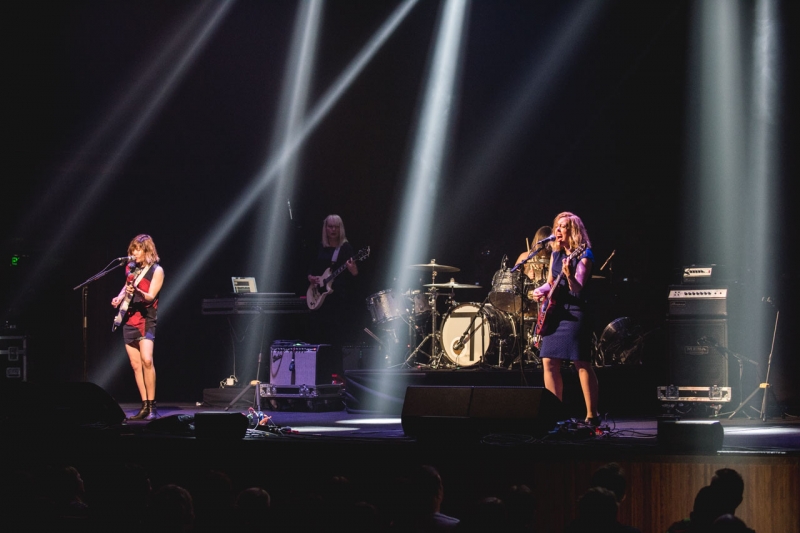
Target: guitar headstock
x=577, y=251
x=362, y=254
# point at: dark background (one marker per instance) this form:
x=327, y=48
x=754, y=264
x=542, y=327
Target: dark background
x=606, y=140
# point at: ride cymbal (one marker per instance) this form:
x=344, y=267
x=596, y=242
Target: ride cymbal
x=435, y=266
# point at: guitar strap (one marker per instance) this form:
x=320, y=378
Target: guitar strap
x=335, y=255
x=141, y=275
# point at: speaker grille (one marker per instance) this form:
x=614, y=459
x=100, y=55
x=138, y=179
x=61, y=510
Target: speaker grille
x=694, y=354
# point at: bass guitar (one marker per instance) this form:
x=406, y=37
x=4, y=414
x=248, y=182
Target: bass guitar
x=123, y=306
x=316, y=293
x=545, y=319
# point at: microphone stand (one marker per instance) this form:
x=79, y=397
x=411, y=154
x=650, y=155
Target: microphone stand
x=765, y=385
x=538, y=248
x=85, y=309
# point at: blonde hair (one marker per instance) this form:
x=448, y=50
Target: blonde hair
x=576, y=231
x=543, y=233
x=144, y=242
x=336, y=219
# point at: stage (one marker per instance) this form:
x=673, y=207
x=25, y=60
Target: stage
x=299, y=446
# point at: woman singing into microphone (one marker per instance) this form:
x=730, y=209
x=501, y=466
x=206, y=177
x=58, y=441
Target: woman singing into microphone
x=139, y=323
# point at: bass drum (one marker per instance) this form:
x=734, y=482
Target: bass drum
x=486, y=339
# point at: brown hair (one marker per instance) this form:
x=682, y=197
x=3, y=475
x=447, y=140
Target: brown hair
x=144, y=242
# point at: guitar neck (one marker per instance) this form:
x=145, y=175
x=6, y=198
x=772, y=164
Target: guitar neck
x=337, y=271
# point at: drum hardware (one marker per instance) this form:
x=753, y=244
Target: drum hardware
x=434, y=358
x=435, y=337
x=452, y=285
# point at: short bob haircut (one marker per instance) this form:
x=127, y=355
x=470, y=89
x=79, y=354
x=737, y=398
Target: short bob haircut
x=144, y=242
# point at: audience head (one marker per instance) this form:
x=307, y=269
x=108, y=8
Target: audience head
x=171, y=509
x=598, y=506
x=611, y=477
x=730, y=485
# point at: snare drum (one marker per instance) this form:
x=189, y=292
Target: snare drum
x=384, y=307
x=484, y=339
x=506, y=293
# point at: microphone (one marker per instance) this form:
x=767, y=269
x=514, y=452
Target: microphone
x=547, y=239
x=459, y=345
x=125, y=258
x=503, y=262
x=288, y=203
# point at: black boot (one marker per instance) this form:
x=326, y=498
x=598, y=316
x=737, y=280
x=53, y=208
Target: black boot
x=143, y=412
x=153, y=411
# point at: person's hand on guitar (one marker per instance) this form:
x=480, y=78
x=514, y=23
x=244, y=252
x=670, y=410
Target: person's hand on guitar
x=540, y=293
x=316, y=280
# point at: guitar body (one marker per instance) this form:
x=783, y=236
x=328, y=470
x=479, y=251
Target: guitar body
x=317, y=293
x=545, y=321
x=123, y=306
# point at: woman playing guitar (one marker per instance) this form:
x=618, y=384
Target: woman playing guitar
x=138, y=301
x=563, y=326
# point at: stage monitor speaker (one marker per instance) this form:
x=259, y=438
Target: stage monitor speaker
x=70, y=404
x=452, y=412
x=220, y=426
x=690, y=435
x=694, y=360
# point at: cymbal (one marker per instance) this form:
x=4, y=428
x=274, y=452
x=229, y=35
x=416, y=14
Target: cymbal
x=435, y=266
x=452, y=285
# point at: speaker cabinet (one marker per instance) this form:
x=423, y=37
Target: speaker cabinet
x=694, y=352
x=690, y=435
x=452, y=412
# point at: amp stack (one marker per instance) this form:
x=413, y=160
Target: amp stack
x=697, y=336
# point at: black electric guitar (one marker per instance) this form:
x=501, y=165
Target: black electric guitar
x=544, y=321
x=123, y=306
x=316, y=293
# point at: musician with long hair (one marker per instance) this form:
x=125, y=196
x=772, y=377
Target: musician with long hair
x=566, y=331
x=144, y=280
x=327, y=323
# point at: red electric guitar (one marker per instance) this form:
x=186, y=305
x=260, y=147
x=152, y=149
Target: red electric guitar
x=123, y=306
x=545, y=319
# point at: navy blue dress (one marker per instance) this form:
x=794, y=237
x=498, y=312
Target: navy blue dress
x=571, y=338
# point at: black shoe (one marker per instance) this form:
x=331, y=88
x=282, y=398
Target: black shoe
x=153, y=413
x=143, y=412
x=593, y=421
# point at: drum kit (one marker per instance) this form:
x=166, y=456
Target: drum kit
x=497, y=332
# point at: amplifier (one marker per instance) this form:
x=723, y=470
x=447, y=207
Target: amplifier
x=302, y=364
x=698, y=301
x=14, y=357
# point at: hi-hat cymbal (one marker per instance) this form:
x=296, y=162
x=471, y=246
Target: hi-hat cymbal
x=435, y=266
x=452, y=285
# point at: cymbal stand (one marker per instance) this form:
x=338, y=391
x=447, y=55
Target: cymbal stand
x=434, y=336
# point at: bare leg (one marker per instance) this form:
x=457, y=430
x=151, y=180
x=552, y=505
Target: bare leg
x=589, y=386
x=552, y=376
x=148, y=369
x=136, y=364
